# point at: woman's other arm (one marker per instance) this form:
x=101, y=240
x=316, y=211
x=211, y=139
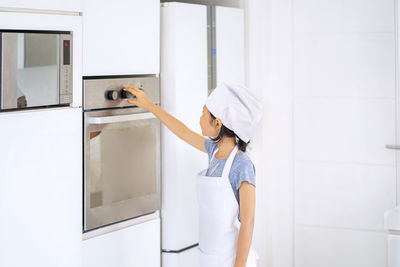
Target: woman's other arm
x=247, y=198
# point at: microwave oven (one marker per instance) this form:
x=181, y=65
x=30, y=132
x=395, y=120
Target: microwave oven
x=36, y=69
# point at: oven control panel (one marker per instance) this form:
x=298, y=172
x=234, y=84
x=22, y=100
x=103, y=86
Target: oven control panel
x=100, y=93
x=115, y=95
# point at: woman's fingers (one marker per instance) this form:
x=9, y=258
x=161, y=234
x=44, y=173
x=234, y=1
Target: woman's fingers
x=131, y=89
x=140, y=97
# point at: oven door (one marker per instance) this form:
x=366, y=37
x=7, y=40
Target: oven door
x=122, y=168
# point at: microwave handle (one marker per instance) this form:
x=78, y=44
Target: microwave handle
x=120, y=118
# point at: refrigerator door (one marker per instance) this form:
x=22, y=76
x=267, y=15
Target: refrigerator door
x=185, y=258
x=183, y=93
x=229, y=27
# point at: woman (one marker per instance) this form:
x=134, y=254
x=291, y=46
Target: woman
x=226, y=190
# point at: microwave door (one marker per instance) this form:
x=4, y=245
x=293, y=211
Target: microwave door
x=30, y=69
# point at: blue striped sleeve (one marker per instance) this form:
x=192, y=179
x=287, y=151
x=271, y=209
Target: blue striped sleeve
x=210, y=146
x=245, y=173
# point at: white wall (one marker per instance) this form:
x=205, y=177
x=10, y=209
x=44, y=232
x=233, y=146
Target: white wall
x=326, y=72
x=269, y=75
x=344, y=101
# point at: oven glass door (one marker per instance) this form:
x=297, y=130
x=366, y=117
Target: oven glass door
x=30, y=69
x=122, y=170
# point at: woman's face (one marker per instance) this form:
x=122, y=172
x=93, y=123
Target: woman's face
x=208, y=126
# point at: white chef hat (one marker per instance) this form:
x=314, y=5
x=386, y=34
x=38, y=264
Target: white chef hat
x=238, y=109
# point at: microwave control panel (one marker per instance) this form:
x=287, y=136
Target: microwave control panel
x=66, y=69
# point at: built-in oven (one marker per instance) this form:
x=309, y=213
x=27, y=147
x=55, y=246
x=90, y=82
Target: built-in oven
x=36, y=69
x=121, y=151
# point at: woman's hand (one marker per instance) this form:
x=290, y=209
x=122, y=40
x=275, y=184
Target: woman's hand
x=141, y=98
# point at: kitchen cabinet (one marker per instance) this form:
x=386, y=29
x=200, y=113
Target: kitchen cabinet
x=71, y=5
x=41, y=188
x=121, y=37
x=137, y=245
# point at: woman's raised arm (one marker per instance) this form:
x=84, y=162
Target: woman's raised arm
x=175, y=125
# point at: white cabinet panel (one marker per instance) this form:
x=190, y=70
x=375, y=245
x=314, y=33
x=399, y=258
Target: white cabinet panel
x=316, y=247
x=121, y=37
x=344, y=195
x=41, y=188
x=183, y=92
x=137, y=245
x=343, y=15
x=393, y=250
x=344, y=130
x=230, y=44
x=70, y=5
x=354, y=65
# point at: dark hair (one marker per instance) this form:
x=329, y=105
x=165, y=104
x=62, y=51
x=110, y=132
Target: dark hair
x=229, y=133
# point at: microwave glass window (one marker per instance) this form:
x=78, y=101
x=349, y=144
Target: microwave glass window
x=30, y=69
x=37, y=64
x=122, y=161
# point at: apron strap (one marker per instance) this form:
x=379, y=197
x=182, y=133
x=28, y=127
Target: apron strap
x=228, y=163
x=213, y=155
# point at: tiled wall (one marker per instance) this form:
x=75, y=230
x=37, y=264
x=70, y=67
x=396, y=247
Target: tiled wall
x=344, y=115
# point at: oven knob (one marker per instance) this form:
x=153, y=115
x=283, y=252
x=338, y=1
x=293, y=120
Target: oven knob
x=112, y=95
x=123, y=94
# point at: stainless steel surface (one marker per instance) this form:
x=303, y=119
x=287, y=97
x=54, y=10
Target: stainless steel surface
x=65, y=71
x=8, y=70
x=121, y=154
x=394, y=232
x=393, y=146
x=40, y=11
x=122, y=172
x=211, y=49
x=96, y=89
x=120, y=225
x=227, y=3
x=120, y=118
x=33, y=73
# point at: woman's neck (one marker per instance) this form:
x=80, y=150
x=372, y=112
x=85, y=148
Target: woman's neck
x=225, y=147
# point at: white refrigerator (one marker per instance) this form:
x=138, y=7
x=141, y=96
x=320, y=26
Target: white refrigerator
x=185, y=74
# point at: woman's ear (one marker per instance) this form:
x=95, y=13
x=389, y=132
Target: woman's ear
x=218, y=123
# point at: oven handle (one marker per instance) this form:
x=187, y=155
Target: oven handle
x=120, y=118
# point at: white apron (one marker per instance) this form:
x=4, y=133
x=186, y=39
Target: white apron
x=218, y=220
